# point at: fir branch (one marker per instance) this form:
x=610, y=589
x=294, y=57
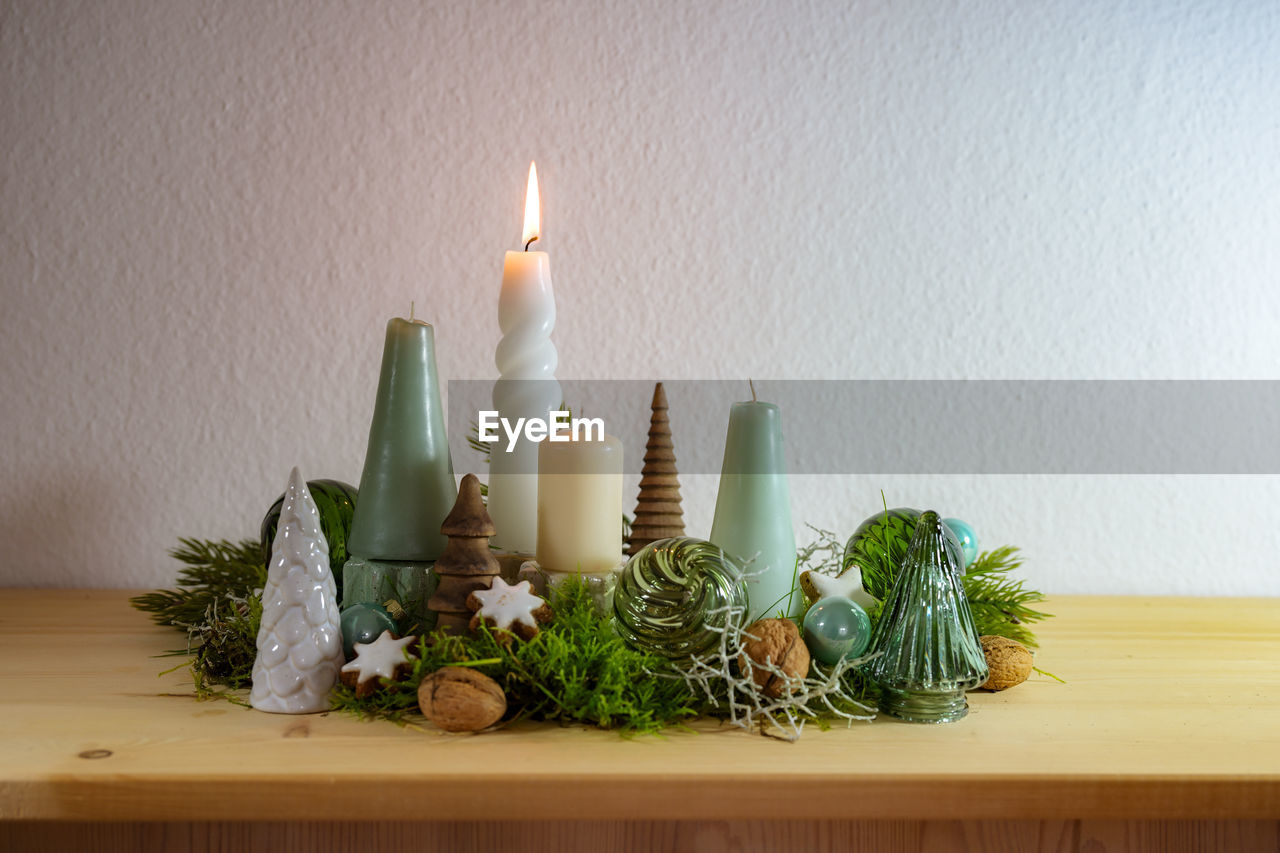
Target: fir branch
x=218, y=603
x=474, y=442
x=214, y=571
x=1000, y=603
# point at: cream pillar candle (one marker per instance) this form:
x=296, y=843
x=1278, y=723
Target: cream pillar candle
x=526, y=386
x=580, y=506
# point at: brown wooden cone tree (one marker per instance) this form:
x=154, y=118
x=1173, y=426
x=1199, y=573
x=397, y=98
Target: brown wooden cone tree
x=658, y=512
x=467, y=563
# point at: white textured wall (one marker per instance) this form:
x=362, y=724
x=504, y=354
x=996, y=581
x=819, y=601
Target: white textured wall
x=208, y=210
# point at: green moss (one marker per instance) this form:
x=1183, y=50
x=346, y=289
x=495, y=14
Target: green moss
x=576, y=670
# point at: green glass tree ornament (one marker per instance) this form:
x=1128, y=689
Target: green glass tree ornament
x=929, y=650
x=673, y=595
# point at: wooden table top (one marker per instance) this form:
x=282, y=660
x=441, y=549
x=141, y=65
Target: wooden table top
x=1171, y=710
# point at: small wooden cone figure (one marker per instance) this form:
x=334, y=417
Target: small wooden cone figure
x=658, y=512
x=467, y=563
x=299, y=641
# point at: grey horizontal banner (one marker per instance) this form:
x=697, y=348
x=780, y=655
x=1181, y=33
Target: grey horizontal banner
x=938, y=426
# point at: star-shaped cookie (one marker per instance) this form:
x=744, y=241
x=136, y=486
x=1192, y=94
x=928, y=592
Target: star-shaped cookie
x=386, y=657
x=510, y=609
x=848, y=585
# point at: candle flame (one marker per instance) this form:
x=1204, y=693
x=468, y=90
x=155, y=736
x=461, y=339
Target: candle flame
x=532, y=208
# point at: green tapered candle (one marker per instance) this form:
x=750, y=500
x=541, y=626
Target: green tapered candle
x=407, y=487
x=753, y=508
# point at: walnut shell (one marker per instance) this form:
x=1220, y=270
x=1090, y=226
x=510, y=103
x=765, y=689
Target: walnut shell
x=779, y=644
x=459, y=699
x=1008, y=660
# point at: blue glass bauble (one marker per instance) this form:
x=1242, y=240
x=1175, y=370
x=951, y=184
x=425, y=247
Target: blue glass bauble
x=836, y=628
x=967, y=536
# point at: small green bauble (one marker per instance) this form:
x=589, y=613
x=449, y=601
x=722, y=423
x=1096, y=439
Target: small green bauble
x=879, y=545
x=364, y=623
x=336, y=503
x=836, y=628
x=673, y=595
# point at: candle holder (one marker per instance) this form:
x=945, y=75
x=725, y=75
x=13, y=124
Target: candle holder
x=409, y=583
x=601, y=586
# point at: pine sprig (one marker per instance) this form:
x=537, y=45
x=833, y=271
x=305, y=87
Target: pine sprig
x=214, y=571
x=218, y=603
x=1000, y=603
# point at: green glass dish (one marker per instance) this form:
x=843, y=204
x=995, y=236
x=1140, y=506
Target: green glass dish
x=673, y=595
x=928, y=645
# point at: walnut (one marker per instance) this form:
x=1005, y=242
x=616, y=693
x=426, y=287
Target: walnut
x=1008, y=660
x=459, y=699
x=779, y=644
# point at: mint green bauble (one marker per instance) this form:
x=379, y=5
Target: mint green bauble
x=836, y=628
x=880, y=543
x=364, y=623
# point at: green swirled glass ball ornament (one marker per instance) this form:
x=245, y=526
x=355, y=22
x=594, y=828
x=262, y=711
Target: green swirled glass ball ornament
x=836, y=628
x=673, y=595
x=879, y=545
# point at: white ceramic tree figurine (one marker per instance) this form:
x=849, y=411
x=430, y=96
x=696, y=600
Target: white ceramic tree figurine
x=300, y=640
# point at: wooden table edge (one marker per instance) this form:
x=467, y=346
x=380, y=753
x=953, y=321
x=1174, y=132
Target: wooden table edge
x=623, y=798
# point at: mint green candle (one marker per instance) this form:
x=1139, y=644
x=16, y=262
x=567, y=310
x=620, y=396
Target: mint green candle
x=407, y=487
x=753, y=508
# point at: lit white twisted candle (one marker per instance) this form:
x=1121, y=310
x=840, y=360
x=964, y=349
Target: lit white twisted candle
x=526, y=386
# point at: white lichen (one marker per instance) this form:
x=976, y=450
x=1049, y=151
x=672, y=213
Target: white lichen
x=821, y=695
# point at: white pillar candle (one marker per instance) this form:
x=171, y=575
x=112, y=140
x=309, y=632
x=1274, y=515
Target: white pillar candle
x=580, y=506
x=526, y=386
